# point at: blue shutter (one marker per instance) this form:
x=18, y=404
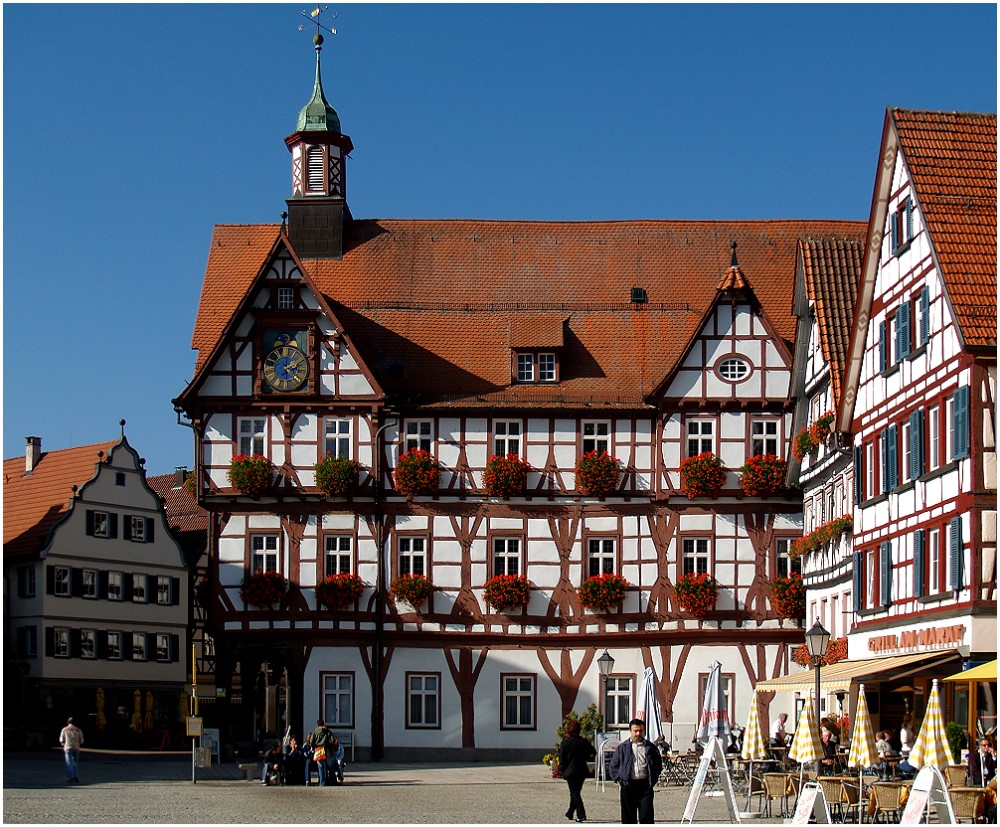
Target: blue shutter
x=859, y=474
x=902, y=331
x=916, y=443
x=960, y=436
x=955, y=554
x=882, y=355
x=894, y=229
x=919, y=562
x=908, y=217
x=885, y=574
x=925, y=315
x=892, y=455
x=858, y=573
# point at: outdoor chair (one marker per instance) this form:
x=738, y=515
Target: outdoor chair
x=775, y=787
x=833, y=790
x=968, y=803
x=851, y=802
x=886, y=801
x=956, y=775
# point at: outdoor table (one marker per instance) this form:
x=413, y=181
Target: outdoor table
x=674, y=770
x=781, y=755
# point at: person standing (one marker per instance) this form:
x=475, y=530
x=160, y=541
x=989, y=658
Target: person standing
x=636, y=766
x=574, y=753
x=71, y=739
x=321, y=740
x=778, y=734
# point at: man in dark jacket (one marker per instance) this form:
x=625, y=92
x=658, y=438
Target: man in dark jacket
x=321, y=741
x=636, y=766
x=574, y=753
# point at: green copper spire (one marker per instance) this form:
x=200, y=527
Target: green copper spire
x=318, y=115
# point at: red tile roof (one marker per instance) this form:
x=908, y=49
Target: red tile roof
x=187, y=520
x=33, y=504
x=952, y=158
x=431, y=306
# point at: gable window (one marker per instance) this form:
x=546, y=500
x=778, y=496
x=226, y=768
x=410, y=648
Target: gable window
x=338, y=554
x=901, y=226
x=784, y=565
x=264, y=556
x=337, y=438
x=115, y=587
x=140, y=529
x=600, y=556
x=60, y=643
x=423, y=700
x=88, y=643
x=286, y=298
x=338, y=699
x=60, y=581
x=700, y=437
x=27, y=641
x=138, y=646
x=120, y=478
x=696, y=552
x=596, y=437
x=507, y=437
x=138, y=588
x=734, y=369
x=114, y=645
x=418, y=435
x=99, y=524
x=618, y=702
x=763, y=436
x=251, y=434
x=26, y=586
x=517, y=702
x=412, y=556
x=506, y=556
x=164, y=591
x=922, y=316
x=88, y=582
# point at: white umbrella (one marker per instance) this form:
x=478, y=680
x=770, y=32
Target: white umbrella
x=714, y=716
x=649, y=706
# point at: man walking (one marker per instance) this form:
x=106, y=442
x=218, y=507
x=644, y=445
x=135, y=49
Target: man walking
x=71, y=739
x=321, y=740
x=636, y=766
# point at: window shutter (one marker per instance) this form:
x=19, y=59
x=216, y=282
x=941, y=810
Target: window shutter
x=908, y=214
x=76, y=582
x=102, y=645
x=902, y=332
x=126, y=586
x=90, y=523
x=859, y=474
x=102, y=585
x=885, y=574
x=126, y=646
x=892, y=456
x=961, y=433
x=22, y=641
x=112, y=525
x=955, y=567
x=919, y=562
x=894, y=230
x=925, y=315
x=175, y=591
x=175, y=648
x=50, y=579
x=75, y=646
x=50, y=642
x=858, y=573
x=882, y=355
x=917, y=462
x=149, y=529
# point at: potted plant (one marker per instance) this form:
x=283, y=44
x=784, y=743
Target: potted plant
x=702, y=475
x=416, y=474
x=597, y=473
x=602, y=592
x=337, y=476
x=804, y=444
x=251, y=475
x=263, y=589
x=551, y=760
x=338, y=591
x=411, y=588
x=821, y=428
x=788, y=596
x=506, y=591
x=505, y=476
x=696, y=594
x=763, y=475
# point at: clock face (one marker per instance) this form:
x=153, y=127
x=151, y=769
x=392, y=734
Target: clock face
x=286, y=368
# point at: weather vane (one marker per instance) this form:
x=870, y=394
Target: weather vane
x=313, y=17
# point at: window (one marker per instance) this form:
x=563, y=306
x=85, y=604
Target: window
x=163, y=648
x=251, y=434
x=60, y=643
x=60, y=586
x=27, y=641
x=596, y=437
x=901, y=226
x=525, y=367
x=26, y=586
x=888, y=444
x=728, y=680
x=870, y=477
x=338, y=699
x=418, y=435
x=600, y=556
x=120, y=478
x=100, y=524
x=922, y=316
x=423, y=700
x=546, y=367
x=338, y=554
x=905, y=449
x=337, y=438
x=506, y=556
x=115, y=580
x=536, y=367
x=137, y=532
x=734, y=369
x=934, y=562
x=871, y=579
x=286, y=298
x=695, y=558
x=506, y=438
x=764, y=437
x=700, y=437
x=315, y=169
x=518, y=699
x=618, y=702
x=934, y=438
x=138, y=588
x=88, y=580
x=784, y=565
x=412, y=556
x=164, y=592
x=138, y=646
x=114, y=644
x=264, y=549
x=88, y=643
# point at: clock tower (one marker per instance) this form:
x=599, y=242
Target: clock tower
x=317, y=210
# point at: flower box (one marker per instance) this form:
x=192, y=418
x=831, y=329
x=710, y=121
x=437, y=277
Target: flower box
x=338, y=591
x=411, y=588
x=337, y=476
x=263, y=589
x=788, y=596
x=804, y=444
x=505, y=591
x=696, y=594
x=703, y=475
x=251, y=475
x=836, y=651
x=763, y=475
x=417, y=474
x=597, y=474
x=821, y=428
x=601, y=593
x=505, y=476
x=819, y=537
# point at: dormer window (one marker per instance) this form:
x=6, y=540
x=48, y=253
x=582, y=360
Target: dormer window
x=536, y=367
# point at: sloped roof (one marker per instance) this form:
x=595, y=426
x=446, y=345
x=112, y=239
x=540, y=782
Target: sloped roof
x=33, y=504
x=187, y=520
x=431, y=304
x=952, y=158
x=832, y=270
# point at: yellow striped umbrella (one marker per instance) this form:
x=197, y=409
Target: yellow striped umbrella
x=754, y=748
x=931, y=747
x=806, y=745
x=863, y=752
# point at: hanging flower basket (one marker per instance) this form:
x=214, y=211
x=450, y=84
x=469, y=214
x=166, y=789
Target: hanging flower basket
x=263, y=589
x=597, y=474
x=337, y=476
x=505, y=476
x=696, y=594
x=703, y=475
x=338, y=591
x=763, y=475
x=836, y=651
x=417, y=474
x=251, y=475
x=411, y=588
x=505, y=591
x=603, y=592
x=819, y=537
x=788, y=596
x=821, y=428
x=804, y=444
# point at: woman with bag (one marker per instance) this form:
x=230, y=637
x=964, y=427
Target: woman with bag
x=321, y=740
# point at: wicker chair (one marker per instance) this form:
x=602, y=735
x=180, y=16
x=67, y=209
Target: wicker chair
x=956, y=775
x=775, y=786
x=851, y=802
x=966, y=802
x=833, y=791
x=886, y=801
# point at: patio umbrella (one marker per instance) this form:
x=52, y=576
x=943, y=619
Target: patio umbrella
x=806, y=745
x=931, y=747
x=649, y=706
x=863, y=753
x=714, y=717
x=754, y=748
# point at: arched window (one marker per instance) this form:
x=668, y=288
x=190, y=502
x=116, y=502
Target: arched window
x=315, y=179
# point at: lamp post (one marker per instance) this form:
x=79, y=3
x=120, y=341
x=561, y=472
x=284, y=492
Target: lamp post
x=605, y=663
x=817, y=639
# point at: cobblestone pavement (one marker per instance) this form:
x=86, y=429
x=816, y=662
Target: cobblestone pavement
x=120, y=788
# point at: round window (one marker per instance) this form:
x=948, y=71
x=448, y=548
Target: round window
x=734, y=369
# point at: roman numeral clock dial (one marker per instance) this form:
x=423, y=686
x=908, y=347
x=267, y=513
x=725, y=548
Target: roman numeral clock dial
x=286, y=367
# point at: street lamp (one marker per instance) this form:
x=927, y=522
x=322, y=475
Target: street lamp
x=817, y=639
x=605, y=663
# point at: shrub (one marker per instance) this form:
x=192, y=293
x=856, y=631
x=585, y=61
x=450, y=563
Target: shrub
x=602, y=592
x=505, y=591
x=251, y=475
x=763, y=475
x=263, y=588
x=597, y=474
x=417, y=474
x=957, y=740
x=338, y=591
x=505, y=476
x=703, y=475
x=788, y=595
x=413, y=588
x=337, y=476
x=696, y=594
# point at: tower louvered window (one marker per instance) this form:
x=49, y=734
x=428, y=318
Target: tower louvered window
x=315, y=177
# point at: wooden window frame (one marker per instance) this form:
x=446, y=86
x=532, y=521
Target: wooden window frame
x=506, y=438
x=141, y=579
x=120, y=576
x=423, y=693
x=695, y=537
x=700, y=437
x=264, y=551
x=619, y=676
x=418, y=436
x=253, y=435
x=408, y=537
x=324, y=693
x=91, y=635
x=615, y=555
x=518, y=557
x=793, y=565
x=595, y=440
x=338, y=437
x=765, y=438
x=339, y=554
x=114, y=651
x=61, y=638
x=504, y=723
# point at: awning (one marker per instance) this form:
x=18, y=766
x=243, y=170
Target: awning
x=838, y=676
x=983, y=672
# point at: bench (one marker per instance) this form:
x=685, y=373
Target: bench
x=347, y=742
x=251, y=771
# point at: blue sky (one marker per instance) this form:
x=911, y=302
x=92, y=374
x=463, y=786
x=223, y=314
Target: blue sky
x=129, y=131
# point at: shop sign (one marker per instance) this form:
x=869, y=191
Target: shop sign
x=930, y=638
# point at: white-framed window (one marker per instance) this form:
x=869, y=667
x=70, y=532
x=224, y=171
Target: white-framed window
x=935, y=583
x=138, y=587
x=764, y=436
x=163, y=590
x=264, y=552
x=115, y=585
x=88, y=579
x=338, y=699
x=418, y=434
x=88, y=644
x=137, y=529
x=601, y=556
x=904, y=451
x=506, y=556
x=26, y=583
x=338, y=554
x=596, y=436
x=162, y=648
x=60, y=581
x=337, y=437
x=423, y=700
x=114, y=640
x=546, y=367
x=618, y=702
x=871, y=478
x=138, y=646
x=286, y=298
x=933, y=438
x=507, y=437
x=536, y=367
x=525, y=367
x=734, y=369
x=700, y=436
x=949, y=428
x=696, y=555
x=784, y=565
x=251, y=431
x=102, y=524
x=60, y=642
x=517, y=701
x=871, y=578
x=412, y=555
